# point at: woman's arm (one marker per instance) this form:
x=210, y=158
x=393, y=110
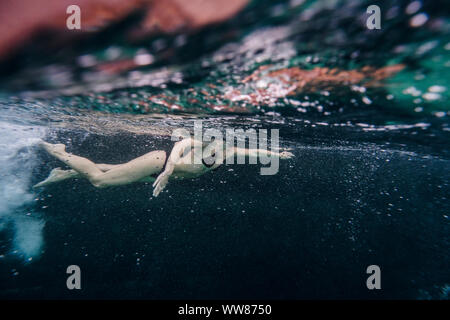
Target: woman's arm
x=176, y=154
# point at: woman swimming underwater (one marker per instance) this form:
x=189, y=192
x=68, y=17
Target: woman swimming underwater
x=154, y=166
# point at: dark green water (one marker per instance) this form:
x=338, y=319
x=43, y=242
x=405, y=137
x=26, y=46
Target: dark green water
x=369, y=182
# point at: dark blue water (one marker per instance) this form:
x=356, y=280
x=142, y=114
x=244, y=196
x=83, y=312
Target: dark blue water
x=309, y=231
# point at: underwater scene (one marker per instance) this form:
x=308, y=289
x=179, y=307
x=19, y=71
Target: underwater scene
x=355, y=101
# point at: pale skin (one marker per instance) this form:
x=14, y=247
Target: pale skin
x=179, y=165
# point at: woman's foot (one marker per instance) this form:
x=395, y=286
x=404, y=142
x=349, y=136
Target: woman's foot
x=55, y=175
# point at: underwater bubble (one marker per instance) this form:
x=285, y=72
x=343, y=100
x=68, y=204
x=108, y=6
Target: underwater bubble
x=418, y=20
x=112, y=53
x=431, y=96
x=427, y=46
x=143, y=58
x=412, y=91
x=437, y=89
x=439, y=114
x=87, y=60
x=413, y=7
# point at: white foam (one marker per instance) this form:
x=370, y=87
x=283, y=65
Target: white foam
x=17, y=160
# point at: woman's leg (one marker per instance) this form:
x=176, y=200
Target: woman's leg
x=135, y=170
x=58, y=174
